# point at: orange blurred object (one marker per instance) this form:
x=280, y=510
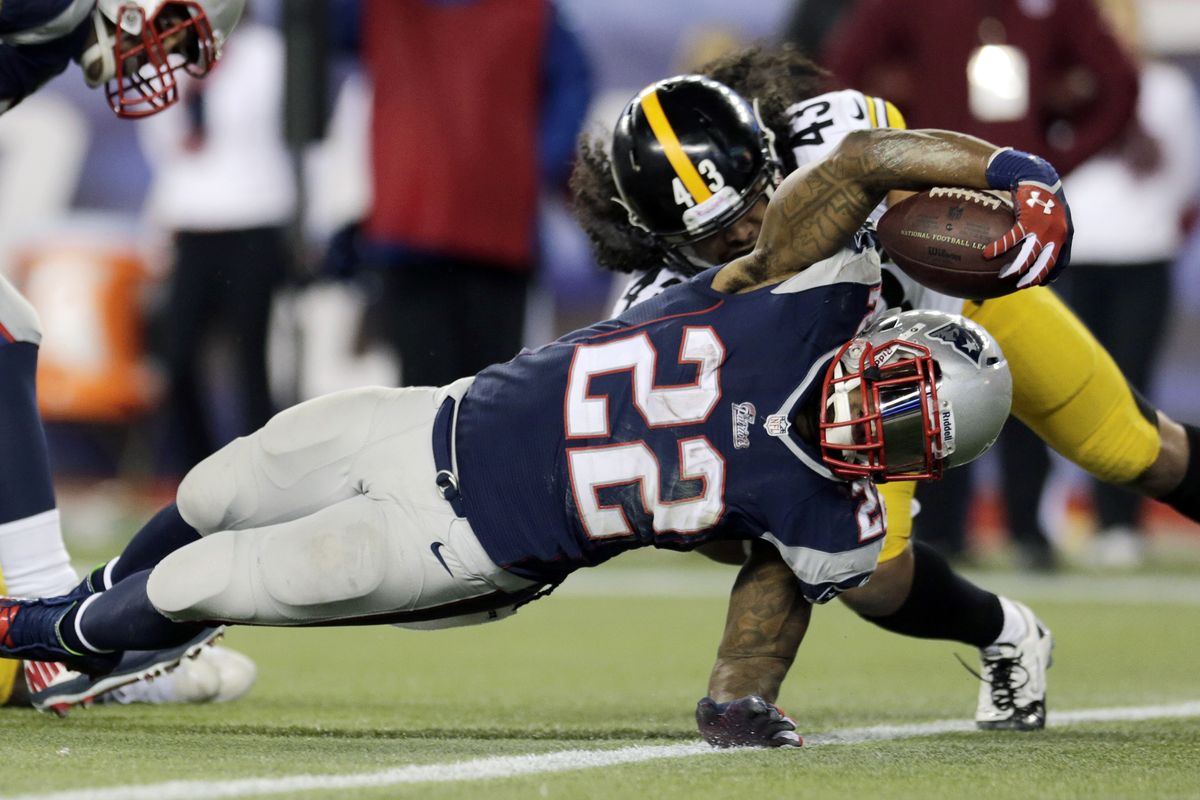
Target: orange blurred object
x=91, y=367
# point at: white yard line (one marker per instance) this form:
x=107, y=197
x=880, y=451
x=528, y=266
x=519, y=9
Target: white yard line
x=563, y=761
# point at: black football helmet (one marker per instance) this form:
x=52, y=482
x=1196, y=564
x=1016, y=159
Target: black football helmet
x=689, y=157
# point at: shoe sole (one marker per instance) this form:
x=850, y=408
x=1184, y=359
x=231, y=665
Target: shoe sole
x=63, y=700
x=1012, y=724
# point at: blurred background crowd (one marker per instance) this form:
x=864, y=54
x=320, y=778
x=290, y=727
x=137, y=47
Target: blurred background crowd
x=374, y=191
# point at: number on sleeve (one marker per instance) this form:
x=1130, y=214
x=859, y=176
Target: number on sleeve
x=814, y=118
x=869, y=513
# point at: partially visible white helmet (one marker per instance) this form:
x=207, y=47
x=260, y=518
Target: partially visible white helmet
x=917, y=392
x=141, y=43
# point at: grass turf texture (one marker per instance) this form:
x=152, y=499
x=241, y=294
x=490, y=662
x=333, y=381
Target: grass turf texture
x=583, y=671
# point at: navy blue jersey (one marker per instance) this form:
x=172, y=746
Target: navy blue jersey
x=38, y=39
x=670, y=426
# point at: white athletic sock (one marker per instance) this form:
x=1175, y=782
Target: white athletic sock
x=33, y=558
x=1015, y=627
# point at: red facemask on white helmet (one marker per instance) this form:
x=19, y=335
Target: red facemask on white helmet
x=918, y=392
x=140, y=44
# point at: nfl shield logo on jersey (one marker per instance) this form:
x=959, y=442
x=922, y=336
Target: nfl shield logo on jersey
x=777, y=424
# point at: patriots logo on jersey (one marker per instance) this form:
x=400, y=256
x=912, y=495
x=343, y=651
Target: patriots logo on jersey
x=743, y=418
x=965, y=341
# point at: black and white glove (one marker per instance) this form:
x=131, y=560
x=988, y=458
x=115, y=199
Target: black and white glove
x=745, y=722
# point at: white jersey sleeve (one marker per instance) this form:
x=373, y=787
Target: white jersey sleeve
x=817, y=125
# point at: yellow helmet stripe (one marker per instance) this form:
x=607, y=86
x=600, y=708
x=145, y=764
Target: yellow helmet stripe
x=665, y=134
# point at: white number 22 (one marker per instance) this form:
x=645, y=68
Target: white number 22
x=626, y=462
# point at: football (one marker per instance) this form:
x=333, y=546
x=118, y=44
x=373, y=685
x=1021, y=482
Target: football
x=937, y=238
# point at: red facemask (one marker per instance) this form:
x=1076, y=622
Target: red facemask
x=144, y=82
x=879, y=412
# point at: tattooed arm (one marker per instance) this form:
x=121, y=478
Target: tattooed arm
x=766, y=622
x=818, y=207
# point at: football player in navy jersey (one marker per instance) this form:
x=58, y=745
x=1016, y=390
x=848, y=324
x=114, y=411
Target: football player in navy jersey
x=1074, y=396
x=748, y=404
x=131, y=47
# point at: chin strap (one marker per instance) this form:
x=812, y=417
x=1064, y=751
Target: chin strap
x=101, y=51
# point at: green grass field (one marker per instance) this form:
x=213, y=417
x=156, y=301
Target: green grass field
x=618, y=661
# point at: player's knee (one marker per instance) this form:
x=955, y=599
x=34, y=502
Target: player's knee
x=203, y=581
x=18, y=316
x=283, y=575
x=206, y=494
x=324, y=565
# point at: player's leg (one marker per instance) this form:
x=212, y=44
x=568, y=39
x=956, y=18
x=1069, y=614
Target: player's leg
x=915, y=592
x=306, y=458
x=394, y=545
x=945, y=505
x=362, y=557
x=1124, y=308
x=365, y=553
x=33, y=557
x=1074, y=397
x=296, y=464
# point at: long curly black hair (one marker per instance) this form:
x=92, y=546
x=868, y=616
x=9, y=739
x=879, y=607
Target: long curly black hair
x=777, y=76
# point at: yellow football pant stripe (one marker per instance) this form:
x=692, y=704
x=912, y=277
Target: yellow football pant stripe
x=894, y=118
x=1066, y=387
x=665, y=134
x=8, y=667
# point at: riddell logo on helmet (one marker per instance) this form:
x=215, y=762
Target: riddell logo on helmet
x=946, y=413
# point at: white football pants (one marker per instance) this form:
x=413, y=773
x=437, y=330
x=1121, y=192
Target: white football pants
x=328, y=512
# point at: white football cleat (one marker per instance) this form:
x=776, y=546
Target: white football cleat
x=215, y=675
x=1013, y=693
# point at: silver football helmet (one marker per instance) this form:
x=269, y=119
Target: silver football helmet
x=141, y=43
x=915, y=393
